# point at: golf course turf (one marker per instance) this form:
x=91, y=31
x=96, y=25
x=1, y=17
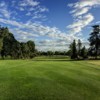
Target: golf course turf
x=49, y=80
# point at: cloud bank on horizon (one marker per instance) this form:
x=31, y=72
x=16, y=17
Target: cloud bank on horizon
x=27, y=19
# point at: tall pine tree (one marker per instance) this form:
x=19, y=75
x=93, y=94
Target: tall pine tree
x=95, y=41
x=73, y=50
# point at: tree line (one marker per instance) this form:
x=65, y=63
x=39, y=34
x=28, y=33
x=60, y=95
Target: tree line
x=52, y=53
x=10, y=47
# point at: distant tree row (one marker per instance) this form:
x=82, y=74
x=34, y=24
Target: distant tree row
x=52, y=53
x=10, y=47
x=77, y=51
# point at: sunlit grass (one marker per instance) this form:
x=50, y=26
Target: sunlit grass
x=49, y=80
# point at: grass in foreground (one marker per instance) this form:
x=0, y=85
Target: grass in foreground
x=49, y=80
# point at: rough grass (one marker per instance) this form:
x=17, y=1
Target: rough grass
x=49, y=80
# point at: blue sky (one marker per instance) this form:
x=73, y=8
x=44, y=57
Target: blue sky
x=52, y=24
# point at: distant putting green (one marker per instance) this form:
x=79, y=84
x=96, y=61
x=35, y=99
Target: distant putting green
x=49, y=80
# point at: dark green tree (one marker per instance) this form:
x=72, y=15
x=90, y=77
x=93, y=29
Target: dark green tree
x=50, y=53
x=9, y=46
x=79, y=47
x=3, y=33
x=95, y=41
x=83, y=53
x=73, y=50
x=25, y=50
x=31, y=46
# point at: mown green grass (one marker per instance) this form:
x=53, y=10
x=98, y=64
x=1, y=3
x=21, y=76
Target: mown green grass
x=49, y=80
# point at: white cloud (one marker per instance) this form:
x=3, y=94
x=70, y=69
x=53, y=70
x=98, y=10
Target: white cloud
x=86, y=3
x=28, y=14
x=80, y=12
x=81, y=15
x=2, y=4
x=83, y=22
x=21, y=9
x=35, y=9
x=32, y=3
x=43, y=9
x=10, y=22
x=4, y=10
